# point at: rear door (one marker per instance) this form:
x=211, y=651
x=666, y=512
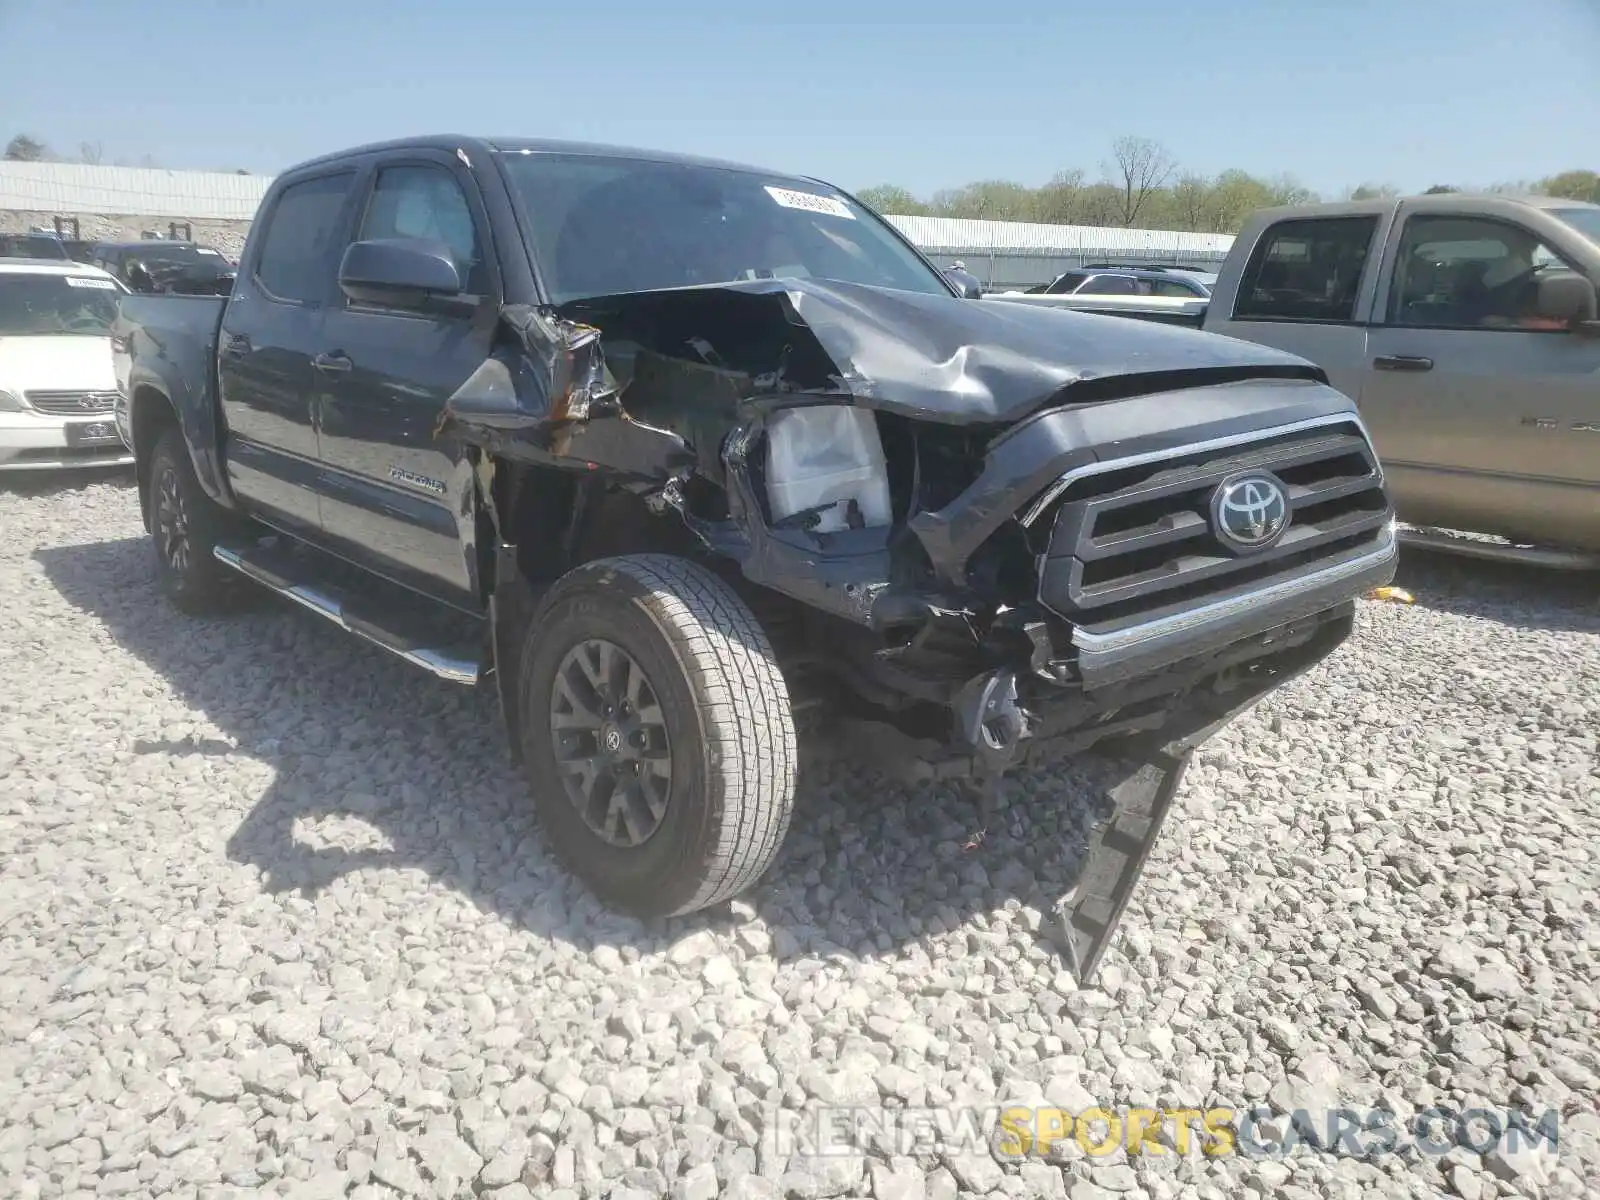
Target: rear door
x=396, y=498
x=1481, y=415
x=271, y=328
x=1303, y=290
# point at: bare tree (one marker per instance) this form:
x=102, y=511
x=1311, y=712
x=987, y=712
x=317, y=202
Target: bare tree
x=93, y=153
x=23, y=148
x=1142, y=168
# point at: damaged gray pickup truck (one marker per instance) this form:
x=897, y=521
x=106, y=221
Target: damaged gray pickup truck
x=713, y=454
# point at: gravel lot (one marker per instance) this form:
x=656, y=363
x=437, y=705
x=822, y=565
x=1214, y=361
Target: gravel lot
x=274, y=916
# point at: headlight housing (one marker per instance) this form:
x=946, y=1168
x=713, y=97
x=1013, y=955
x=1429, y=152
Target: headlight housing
x=11, y=402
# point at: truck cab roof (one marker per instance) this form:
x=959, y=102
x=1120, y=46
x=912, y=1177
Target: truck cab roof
x=470, y=144
x=1438, y=202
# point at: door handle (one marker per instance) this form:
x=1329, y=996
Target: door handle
x=332, y=364
x=1402, y=362
x=236, y=346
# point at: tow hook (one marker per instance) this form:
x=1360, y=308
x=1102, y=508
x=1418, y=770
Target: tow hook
x=993, y=724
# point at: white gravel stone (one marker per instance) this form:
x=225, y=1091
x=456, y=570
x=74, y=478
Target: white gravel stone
x=274, y=917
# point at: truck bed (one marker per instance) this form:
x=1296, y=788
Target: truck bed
x=169, y=343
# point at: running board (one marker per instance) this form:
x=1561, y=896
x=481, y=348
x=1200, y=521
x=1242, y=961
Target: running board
x=1498, y=551
x=384, y=629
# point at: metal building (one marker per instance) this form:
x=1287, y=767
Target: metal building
x=95, y=203
x=1019, y=254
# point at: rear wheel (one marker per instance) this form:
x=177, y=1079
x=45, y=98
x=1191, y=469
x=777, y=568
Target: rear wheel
x=656, y=733
x=185, y=524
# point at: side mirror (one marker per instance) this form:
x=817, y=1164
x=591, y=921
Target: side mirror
x=1566, y=296
x=966, y=284
x=398, y=272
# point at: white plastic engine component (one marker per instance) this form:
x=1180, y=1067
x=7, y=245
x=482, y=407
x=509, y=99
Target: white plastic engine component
x=827, y=455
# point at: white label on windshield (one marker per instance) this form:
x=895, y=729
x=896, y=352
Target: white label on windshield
x=88, y=282
x=809, y=202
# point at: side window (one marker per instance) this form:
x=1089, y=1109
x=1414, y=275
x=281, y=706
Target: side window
x=1306, y=270
x=296, y=260
x=1110, y=285
x=426, y=202
x=1066, y=283
x=1468, y=273
x=1171, y=287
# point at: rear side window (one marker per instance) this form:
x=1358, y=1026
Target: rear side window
x=1110, y=285
x=1173, y=287
x=297, y=245
x=1306, y=270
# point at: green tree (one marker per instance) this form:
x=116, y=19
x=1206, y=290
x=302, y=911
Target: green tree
x=1572, y=185
x=891, y=199
x=987, y=200
x=1142, y=187
x=23, y=148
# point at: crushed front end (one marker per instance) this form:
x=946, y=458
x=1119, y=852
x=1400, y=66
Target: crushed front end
x=980, y=536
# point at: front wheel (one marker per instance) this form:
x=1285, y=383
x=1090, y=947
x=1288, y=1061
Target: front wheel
x=657, y=734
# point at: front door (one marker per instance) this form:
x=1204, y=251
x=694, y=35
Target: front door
x=270, y=329
x=395, y=498
x=1487, y=419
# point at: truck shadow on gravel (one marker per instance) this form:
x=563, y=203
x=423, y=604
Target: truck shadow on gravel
x=1530, y=597
x=351, y=733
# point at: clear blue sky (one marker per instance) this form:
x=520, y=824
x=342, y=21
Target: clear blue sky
x=928, y=94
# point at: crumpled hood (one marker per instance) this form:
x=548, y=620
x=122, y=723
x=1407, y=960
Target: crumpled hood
x=934, y=357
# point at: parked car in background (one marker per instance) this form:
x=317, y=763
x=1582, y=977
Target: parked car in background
x=1116, y=285
x=154, y=265
x=1103, y=279
x=711, y=452
x=58, y=384
x=1466, y=329
x=45, y=246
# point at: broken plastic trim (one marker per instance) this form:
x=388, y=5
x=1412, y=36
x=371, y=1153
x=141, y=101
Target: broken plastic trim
x=712, y=363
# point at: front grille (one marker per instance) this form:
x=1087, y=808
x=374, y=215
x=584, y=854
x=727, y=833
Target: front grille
x=1129, y=540
x=71, y=404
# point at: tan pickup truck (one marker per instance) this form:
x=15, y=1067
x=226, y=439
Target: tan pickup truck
x=1465, y=329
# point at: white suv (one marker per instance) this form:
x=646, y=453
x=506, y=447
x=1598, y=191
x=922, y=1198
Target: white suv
x=58, y=386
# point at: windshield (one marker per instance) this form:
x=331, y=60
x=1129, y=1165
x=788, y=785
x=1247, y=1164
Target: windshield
x=603, y=225
x=56, y=304
x=1585, y=220
x=26, y=246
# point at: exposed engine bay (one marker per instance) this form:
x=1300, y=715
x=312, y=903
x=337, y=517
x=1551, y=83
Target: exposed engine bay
x=887, y=460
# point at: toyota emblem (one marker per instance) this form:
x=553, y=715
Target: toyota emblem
x=1249, y=512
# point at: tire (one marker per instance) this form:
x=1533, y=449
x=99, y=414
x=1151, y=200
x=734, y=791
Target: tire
x=720, y=707
x=185, y=524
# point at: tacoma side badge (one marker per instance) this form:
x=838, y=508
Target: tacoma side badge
x=412, y=479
